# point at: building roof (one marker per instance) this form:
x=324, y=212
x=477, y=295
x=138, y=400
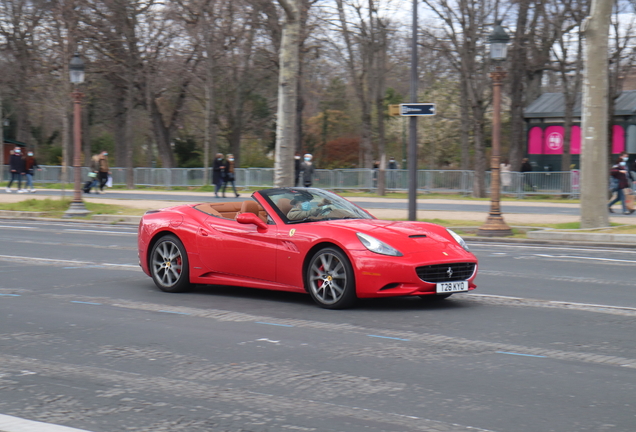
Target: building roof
x=14, y=142
x=553, y=105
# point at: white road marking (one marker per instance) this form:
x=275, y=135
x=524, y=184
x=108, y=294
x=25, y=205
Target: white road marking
x=565, y=303
x=490, y=246
x=32, y=260
x=17, y=424
x=585, y=258
x=17, y=227
x=101, y=232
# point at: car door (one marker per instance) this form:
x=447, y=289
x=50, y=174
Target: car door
x=229, y=247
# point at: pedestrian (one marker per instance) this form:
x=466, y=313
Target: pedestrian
x=16, y=167
x=103, y=170
x=631, y=170
x=217, y=173
x=376, y=167
x=526, y=167
x=297, y=163
x=30, y=165
x=506, y=175
x=228, y=174
x=307, y=169
x=392, y=166
x=619, y=172
x=92, y=175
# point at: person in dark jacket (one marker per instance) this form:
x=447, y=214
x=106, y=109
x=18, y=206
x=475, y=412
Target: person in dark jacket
x=16, y=167
x=229, y=175
x=30, y=165
x=526, y=167
x=619, y=172
x=297, y=163
x=307, y=169
x=217, y=173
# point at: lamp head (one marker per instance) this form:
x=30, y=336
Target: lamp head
x=76, y=69
x=498, y=40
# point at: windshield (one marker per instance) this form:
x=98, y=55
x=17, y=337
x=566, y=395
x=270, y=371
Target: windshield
x=295, y=205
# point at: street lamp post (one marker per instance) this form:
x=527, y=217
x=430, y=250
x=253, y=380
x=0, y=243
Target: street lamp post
x=495, y=225
x=76, y=68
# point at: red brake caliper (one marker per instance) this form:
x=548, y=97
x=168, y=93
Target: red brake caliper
x=321, y=281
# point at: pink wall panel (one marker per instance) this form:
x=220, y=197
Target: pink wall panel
x=618, y=139
x=535, y=140
x=575, y=140
x=553, y=140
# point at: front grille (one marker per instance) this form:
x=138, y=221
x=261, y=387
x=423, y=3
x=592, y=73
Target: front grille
x=440, y=272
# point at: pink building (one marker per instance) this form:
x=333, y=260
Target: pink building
x=545, y=132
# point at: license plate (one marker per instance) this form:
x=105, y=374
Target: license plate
x=450, y=287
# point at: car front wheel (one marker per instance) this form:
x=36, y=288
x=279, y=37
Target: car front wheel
x=169, y=265
x=330, y=279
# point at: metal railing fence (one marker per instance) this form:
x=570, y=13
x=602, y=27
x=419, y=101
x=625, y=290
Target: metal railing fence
x=429, y=181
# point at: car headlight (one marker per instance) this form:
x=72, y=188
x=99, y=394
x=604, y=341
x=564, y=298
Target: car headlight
x=375, y=245
x=458, y=239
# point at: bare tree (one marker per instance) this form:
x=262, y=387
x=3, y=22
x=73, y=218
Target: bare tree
x=594, y=111
x=287, y=95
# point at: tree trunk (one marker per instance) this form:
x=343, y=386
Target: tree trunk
x=210, y=145
x=120, y=127
x=517, y=80
x=479, y=182
x=594, y=172
x=465, y=125
x=162, y=136
x=128, y=133
x=287, y=96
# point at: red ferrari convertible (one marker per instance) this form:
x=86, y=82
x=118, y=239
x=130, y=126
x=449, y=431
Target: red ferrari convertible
x=302, y=240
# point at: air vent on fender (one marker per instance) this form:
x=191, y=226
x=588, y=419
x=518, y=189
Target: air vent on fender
x=418, y=236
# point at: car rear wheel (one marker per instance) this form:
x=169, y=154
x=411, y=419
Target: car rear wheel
x=169, y=265
x=330, y=279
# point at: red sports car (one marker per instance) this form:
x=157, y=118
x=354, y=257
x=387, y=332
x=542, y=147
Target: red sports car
x=302, y=240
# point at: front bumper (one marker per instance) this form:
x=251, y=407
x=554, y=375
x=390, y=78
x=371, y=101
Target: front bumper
x=386, y=276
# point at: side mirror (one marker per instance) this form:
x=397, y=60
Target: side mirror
x=251, y=218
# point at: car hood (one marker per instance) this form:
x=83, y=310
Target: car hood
x=407, y=237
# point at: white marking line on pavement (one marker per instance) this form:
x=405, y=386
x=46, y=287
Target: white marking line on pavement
x=585, y=258
x=489, y=246
x=497, y=296
x=59, y=261
x=100, y=232
x=17, y=227
x=17, y=424
x=557, y=302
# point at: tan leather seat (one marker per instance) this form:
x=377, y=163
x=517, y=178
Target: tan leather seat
x=284, y=204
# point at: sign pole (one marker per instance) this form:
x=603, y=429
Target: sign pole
x=413, y=124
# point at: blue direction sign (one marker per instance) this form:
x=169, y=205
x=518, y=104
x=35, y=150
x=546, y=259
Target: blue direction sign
x=417, y=109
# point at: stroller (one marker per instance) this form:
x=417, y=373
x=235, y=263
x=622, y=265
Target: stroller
x=91, y=183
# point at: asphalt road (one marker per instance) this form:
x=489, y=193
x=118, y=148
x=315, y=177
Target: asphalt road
x=476, y=206
x=546, y=343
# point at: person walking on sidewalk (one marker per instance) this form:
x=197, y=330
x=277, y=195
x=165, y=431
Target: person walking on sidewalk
x=526, y=167
x=228, y=174
x=93, y=174
x=619, y=172
x=16, y=167
x=30, y=165
x=307, y=169
x=218, y=166
x=103, y=170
